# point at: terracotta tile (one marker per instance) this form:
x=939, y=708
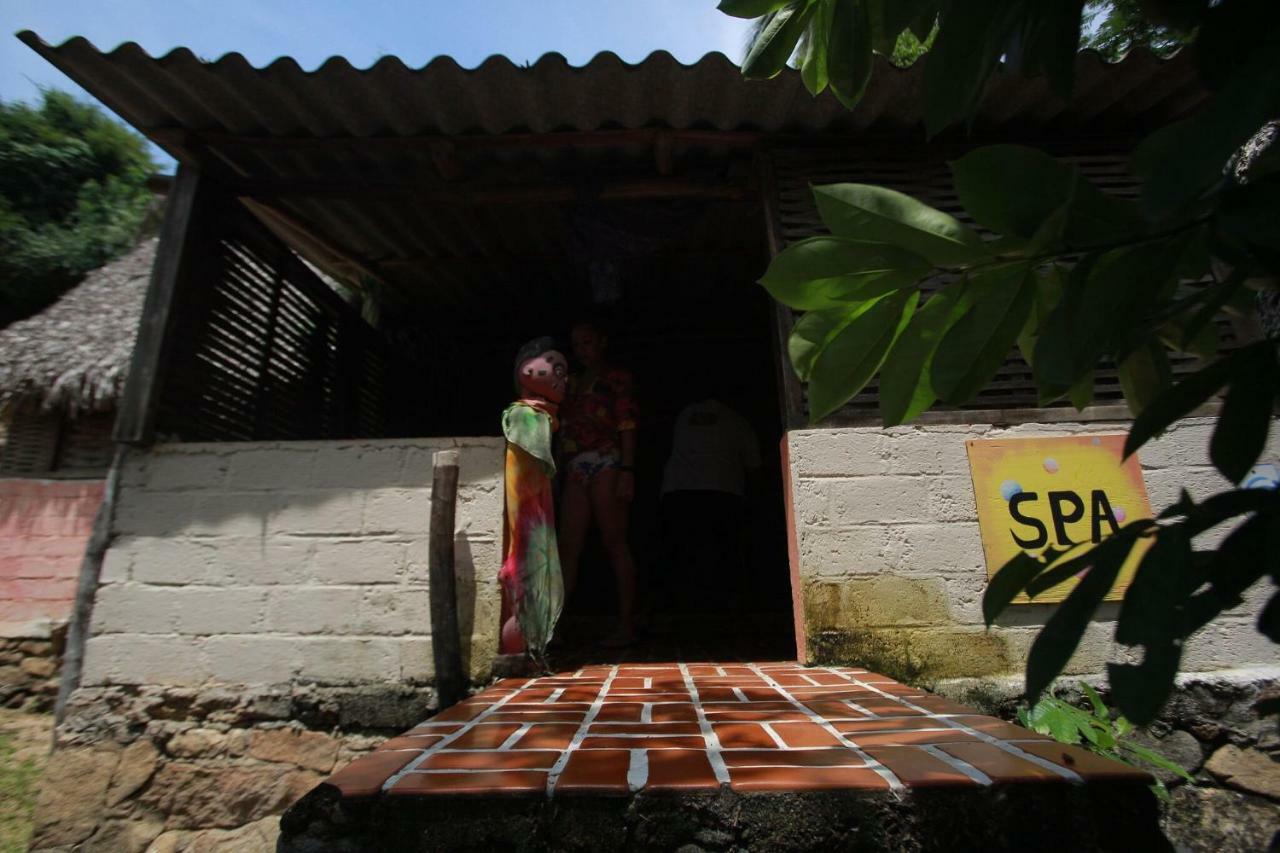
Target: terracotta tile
x=1087, y=764
x=434, y=729
x=826, y=677
x=620, y=712
x=832, y=709
x=805, y=734
x=679, y=770
x=462, y=712
x=645, y=729
x=496, y=782
x=548, y=716
x=485, y=736
x=938, y=705
x=717, y=694
x=917, y=768
x=886, y=707
x=537, y=695
x=719, y=707
x=510, y=684
x=896, y=724
x=791, y=679
x=903, y=738
x=673, y=713
x=902, y=690
x=547, y=736
x=514, y=759
x=836, y=757
x=748, y=716
x=762, y=694
x=803, y=778
x=1000, y=729
x=739, y=735
x=595, y=771
x=1000, y=765
x=579, y=694
x=660, y=742
x=630, y=683
x=411, y=741
x=364, y=776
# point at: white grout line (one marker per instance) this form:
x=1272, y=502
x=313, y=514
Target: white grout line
x=959, y=764
x=638, y=770
x=949, y=720
x=861, y=710
x=450, y=738
x=895, y=784
x=555, y=694
x=742, y=697
x=554, y=775
x=646, y=713
x=812, y=681
x=648, y=683
x=777, y=739
x=515, y=736
x=720, y=671
x=708, y=733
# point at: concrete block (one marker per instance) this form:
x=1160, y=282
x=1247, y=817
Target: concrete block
x=315, y=610
x=839, y=453
x=335, y=513
x=358, y=561
x=359, y=467
x=417, y=665
x=349, y=660
x=942, y=549
x=271, y=468
x=880, y=500
x=159, y=560
x=1164, y=485
x=950, y=499
x=397, y=511
x=203, y=611
x=418, y=468
x=117, y=562
x=394, y=611
x=179, y=471
x=135, y=608
x=143, y=513
x=811, y=503
x=479, y=510
x=867, y=549
x=134, y=659
x=254, y=659
x=1187, y=444
x=1226, y=643
x=274, y=560
x=230, y=514
x=480, y=464
x=926, y=451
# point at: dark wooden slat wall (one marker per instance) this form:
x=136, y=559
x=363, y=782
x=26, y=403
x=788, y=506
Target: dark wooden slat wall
x=925, y=175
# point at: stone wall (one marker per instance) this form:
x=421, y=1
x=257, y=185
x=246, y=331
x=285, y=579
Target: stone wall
x=29, y=672
x=266, y=563
x=44, y=525
x=890, y=569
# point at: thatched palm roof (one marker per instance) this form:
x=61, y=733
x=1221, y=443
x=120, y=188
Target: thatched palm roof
x=74, y=355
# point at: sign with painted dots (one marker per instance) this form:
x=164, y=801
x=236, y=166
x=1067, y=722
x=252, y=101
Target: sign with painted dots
x=1061, y=491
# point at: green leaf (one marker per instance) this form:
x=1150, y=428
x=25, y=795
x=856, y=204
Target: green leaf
x=841, y=350
x=1011, y=579
x=1047, y=43
x=750, y=8
x=1099, y=707
x=1143, y=375
x=1058, y=639
x=973, y=349
x=849, y=59
x=863, y=212
x=971, y=38
x=813, y=60
x=776, y=42
x=1181, y=399
x=1241, y=431
x=1248, y=214
x=828, y=272
x=906, y=388
x=890, y=17
x=1081, y=394
x=1011, y=189
x=1155, y=759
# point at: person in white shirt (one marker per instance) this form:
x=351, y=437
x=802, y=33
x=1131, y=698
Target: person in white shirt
x=714, y=456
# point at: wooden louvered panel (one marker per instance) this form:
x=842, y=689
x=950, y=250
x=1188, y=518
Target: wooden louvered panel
x=273, y=353
x=87, y=445
x=926, y=176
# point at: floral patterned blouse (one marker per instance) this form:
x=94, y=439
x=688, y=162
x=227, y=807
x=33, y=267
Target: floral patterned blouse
x=594, y=413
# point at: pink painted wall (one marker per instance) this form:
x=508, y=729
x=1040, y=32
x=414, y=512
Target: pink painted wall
x=44, y=527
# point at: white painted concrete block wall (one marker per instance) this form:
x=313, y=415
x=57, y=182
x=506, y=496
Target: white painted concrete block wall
x=873, y=505
x=260, y=563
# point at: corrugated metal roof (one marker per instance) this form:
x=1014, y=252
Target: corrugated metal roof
x=180, y=90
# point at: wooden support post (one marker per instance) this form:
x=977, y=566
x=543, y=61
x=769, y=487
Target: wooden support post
x=446, y=645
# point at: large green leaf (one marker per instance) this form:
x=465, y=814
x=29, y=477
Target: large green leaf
x=1181, y=399
x=977, y=344
x=813, y=58
x=776, y=42
x=849, y=60
x=1047, y=43
x=1060, y=636
x=864, y=212
x=971, y=38
x=1143, y=375
x=751, y=8
x=841, y=350
x=826, y=272
x=1241, y=431
x=906, y=386
x=1249, y=214
x=890, y=17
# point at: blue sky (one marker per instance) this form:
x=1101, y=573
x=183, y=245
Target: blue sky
x=362, y=31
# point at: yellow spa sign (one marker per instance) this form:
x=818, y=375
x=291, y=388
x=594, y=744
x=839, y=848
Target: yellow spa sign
x=1033, y=493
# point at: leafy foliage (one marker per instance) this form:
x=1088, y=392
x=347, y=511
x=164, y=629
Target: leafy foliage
x=72, y=196
x=1098, y=730
x=1114, y=27
x=1076, y=278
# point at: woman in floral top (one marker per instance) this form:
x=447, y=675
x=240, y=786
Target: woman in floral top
x=598, y=442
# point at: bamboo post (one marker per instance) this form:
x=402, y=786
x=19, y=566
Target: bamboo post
x=445, y=642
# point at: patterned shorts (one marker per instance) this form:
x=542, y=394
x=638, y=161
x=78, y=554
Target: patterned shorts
x=584, y=467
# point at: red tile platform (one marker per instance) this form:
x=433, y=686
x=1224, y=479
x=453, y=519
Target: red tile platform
x=768, y=727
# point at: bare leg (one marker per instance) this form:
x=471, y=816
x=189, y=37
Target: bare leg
x=612, y=515
x=575, y=521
